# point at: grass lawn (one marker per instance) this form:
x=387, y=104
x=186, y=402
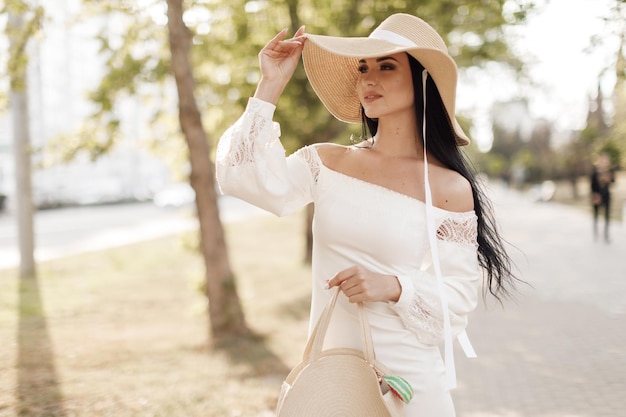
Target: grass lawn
x=124, y=332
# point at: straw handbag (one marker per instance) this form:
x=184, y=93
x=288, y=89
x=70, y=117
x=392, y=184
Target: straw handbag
x=339, y=382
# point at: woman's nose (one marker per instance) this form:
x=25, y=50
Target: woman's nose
x=368, y=78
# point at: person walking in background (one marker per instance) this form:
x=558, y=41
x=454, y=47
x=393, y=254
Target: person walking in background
x=373, y=205
x=602, y=176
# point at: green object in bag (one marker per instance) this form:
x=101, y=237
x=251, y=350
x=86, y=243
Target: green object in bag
x=400, y=387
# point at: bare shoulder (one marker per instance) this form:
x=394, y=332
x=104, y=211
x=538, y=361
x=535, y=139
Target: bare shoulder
x=331, y=153
x=452, y=191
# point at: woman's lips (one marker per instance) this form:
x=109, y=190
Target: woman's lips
x=369, y=97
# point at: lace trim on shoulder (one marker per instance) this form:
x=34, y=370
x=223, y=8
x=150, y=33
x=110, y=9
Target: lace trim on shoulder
x=310, y=156
x=459, y=229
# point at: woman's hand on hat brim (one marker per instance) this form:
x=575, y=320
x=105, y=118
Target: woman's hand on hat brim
x=278, y=61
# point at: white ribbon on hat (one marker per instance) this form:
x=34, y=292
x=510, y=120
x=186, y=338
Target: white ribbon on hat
x=392, y=37
x=430, y=224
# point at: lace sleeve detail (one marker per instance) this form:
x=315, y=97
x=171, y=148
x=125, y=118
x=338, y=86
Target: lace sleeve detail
x=419, y=306
x=459, y=229
x=254, y=128
x=251, y=163
x=423, y=319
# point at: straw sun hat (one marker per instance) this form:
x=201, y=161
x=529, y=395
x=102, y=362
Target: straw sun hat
x=331, y=64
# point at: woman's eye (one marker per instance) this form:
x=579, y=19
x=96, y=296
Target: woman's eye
x=362, y=69
x=386, y=67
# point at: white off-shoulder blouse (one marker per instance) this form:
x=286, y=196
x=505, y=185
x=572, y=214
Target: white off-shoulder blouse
x=360, y=223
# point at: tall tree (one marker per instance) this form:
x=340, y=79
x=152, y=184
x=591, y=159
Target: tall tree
x=226, y=315
x=22, y=23
x=143, y=45
x=603, y=133
x=617, y=135
x=618, y=131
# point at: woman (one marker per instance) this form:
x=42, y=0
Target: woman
x=376, y=202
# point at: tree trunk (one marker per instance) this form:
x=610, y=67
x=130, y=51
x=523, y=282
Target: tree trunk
x=308, y=234
x=21, y=143
x=225, y=312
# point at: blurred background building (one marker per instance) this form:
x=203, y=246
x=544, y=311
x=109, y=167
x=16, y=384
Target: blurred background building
x=65, y=64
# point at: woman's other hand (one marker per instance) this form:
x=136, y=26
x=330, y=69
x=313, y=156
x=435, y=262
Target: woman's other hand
x=278, y=61
x=360, y=285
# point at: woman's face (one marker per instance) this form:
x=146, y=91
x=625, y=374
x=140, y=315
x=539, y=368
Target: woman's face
x=385, y=85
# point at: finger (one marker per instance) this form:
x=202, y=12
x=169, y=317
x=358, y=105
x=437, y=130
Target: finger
x=299, y=32
x=350, y=285
x=333, y=282
x=283, y=48
x=276, y=39
x=355, y=294
x=289, y=45
x=298, y=37
x=340, y=277
x=299, y=41
x=357, y=298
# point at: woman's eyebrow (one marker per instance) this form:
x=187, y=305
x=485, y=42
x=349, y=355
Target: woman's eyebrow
x=382, y=58
x=385, y=58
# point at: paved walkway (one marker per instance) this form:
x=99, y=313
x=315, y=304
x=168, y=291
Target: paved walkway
x=560, y=349
x=71, y=231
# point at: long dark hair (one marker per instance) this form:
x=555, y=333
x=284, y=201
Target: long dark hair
x=441, y=144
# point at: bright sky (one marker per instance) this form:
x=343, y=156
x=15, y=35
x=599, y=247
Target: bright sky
x=554, y=42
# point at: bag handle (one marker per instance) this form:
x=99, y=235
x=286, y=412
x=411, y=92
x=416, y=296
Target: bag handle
x=315, y=343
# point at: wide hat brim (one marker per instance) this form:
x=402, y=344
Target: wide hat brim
x=331, y=65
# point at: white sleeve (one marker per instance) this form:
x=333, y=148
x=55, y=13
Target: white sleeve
x=420, y=307
x=251, y=163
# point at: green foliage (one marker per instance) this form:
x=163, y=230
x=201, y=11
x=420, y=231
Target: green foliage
x=227, y=37
x=4, y=102
x=594, y=139
x=135, y=51
x=23, y=22
x=244, y=27
x=612, y=148
x=492, y=164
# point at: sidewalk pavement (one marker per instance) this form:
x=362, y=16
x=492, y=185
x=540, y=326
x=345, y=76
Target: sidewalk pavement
x=62, y=233
x=559, y=350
